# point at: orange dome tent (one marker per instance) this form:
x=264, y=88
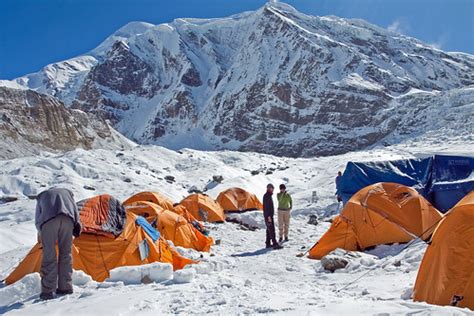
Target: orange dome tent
x=203, y=208
x=181, y=210
x=172, y=226
x=149, y=210
x=154, y=197
x=381, y=213
x=238, y=200
x=96, y=254
x=446, y=274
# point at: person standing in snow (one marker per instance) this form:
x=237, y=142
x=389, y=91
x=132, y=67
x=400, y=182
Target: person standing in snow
x=338, y=186
x=57, y=220
x=268, y=212
x=285, y=204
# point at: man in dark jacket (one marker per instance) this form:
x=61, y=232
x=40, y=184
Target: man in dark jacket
x=268, y=212
x=57, y=220
x=338, y=186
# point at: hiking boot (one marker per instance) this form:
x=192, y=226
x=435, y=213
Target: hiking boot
x=281, y=239
x=286, y=239
x=63, y=292
x=268, y=246
x=277, y=246
x=46, y=296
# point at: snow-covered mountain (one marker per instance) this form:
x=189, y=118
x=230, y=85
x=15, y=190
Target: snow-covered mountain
x=31, y=122
x=273, y=80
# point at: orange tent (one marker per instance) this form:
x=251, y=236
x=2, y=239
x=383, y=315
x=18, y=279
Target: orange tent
x=149, y=210
x=238, y=200
x=154, y=197
x=446, y=274
x=204, y=208
x=172, y=226
x=181, y=210
x=381, y=213
x=96, y=254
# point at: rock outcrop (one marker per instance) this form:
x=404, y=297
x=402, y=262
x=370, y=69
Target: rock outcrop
x=31, y=122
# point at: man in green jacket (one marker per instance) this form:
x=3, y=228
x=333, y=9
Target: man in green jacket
x=285, y=204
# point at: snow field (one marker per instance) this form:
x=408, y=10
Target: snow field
x=239, y=275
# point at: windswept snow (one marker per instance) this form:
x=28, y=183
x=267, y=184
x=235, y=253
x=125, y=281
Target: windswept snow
x=153, y=272
x=239, y=275
x=356, y=81
x=24, y=289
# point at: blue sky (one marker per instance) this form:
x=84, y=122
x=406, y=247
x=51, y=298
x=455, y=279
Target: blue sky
x=34, y=33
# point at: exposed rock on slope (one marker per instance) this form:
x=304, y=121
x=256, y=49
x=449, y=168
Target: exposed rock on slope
x=30, y=122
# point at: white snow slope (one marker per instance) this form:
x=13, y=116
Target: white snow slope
x=240, y=277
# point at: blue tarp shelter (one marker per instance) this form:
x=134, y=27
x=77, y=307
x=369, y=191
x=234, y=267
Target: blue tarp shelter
x=443, y=180
x=452, y=178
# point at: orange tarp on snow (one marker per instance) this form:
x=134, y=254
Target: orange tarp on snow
x=238, y=200
x=381, y=213
x=102, y=215
x=172, y=226
x=154, y=197
x=446, y=274
x=96, y=255
x=204, y=208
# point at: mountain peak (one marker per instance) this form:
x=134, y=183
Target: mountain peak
x=133, y=28
x=281, y=6
x=122, y=34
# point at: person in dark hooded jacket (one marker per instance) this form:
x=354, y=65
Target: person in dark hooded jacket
x=338, y=187
x=57, y=220
x=268, y=212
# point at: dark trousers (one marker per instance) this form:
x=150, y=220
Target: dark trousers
x=56, y=269
x=271, y=238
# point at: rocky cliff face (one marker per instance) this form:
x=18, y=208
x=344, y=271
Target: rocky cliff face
x=274, y=81
x=30, y=122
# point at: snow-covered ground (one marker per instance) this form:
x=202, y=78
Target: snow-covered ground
x=239, y=275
